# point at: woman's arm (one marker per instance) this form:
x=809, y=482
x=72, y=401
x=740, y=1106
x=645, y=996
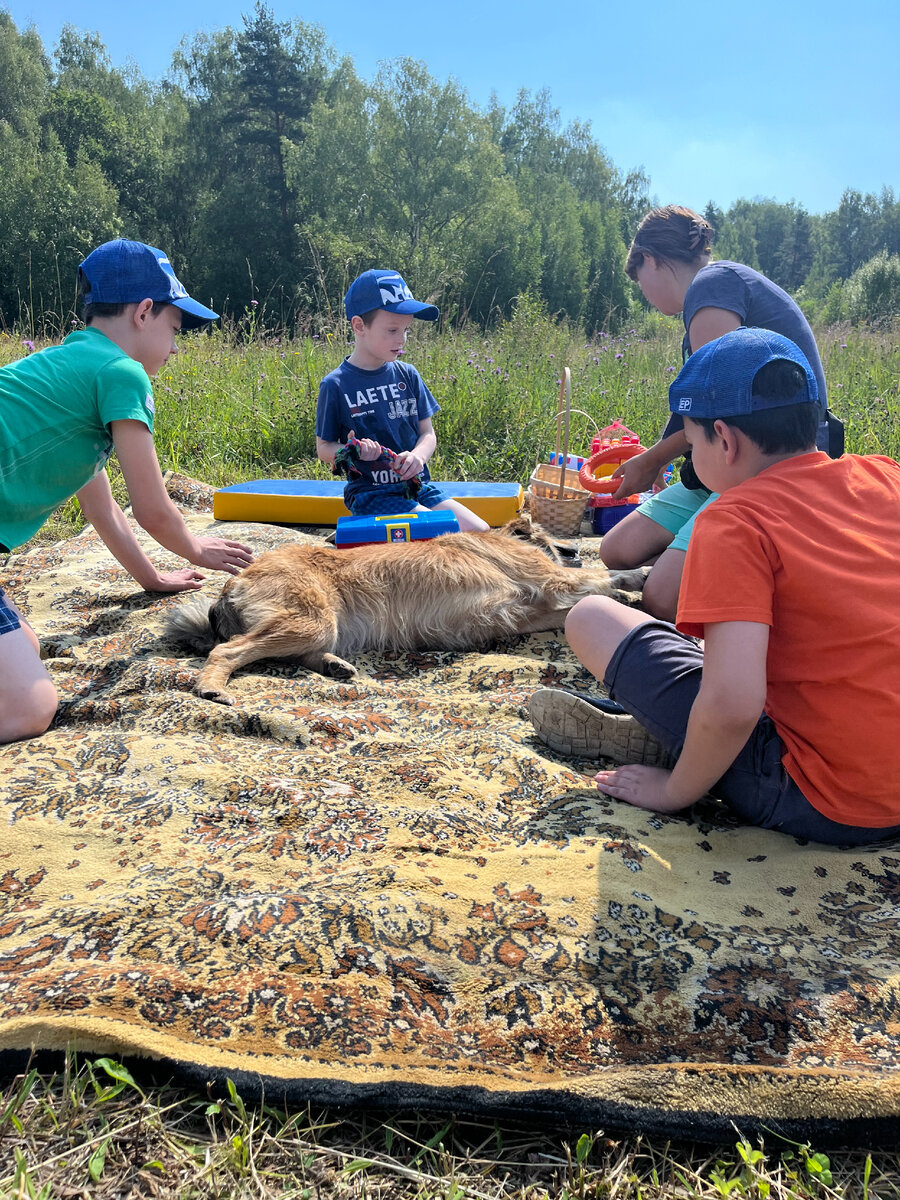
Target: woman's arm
x=707, y=324
x=639, y=473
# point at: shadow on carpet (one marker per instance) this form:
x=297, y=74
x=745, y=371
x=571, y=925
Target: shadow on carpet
x=386, y=892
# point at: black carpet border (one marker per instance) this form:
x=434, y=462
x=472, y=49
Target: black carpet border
x=549, y=1110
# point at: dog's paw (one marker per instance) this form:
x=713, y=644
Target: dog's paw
x=337, y=668
x=208, y=693
x=629, y=581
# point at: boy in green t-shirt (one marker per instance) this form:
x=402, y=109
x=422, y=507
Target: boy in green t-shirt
x=62, y=413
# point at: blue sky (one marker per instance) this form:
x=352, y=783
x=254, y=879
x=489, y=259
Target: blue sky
x=793, y=100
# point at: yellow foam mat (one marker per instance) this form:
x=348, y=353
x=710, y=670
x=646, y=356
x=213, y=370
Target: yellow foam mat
x=321, y=501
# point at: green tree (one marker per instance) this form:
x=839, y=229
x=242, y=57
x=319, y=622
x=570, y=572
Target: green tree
x=578, y=202
x=281, y=71
x=52, y=215
x=872, y=293
x=108, y=117
x=849, y=236
x=795, y=254
x=247, y=95
x=24, y=78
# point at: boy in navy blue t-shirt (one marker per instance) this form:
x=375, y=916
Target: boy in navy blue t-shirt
x=384, y=404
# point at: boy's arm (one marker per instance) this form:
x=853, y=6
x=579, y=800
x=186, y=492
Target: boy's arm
x=101, y=511
x=327, y=450
x=411, y=462
x=326, y=418
x=369, y=450
x=730, y=702
x=155, y=512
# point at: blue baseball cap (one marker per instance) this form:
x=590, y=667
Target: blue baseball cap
x=717, y=380
x=126, y=272
x=385, y=289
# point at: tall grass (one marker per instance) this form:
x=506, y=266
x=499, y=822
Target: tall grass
x=238, y=404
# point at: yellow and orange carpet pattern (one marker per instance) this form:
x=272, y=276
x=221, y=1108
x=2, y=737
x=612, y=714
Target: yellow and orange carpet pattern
x=388, y=892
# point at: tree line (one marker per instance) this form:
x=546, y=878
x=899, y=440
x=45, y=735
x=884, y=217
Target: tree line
x=273, y=174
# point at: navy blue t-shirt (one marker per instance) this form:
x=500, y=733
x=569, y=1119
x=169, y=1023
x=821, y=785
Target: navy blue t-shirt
x=385, y=405
x=758, y=303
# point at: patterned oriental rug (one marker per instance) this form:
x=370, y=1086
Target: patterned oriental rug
x=387, y=893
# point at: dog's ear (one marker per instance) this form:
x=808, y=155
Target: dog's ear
x=520, y=526
x=525, y=527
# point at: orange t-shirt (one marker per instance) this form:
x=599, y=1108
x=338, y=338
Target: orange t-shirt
x=811, y=547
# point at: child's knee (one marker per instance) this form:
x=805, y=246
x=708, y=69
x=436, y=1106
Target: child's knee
x=31, y=715
x=468, y=521
x=471, y=523
x=616, y=552
x=584, y=619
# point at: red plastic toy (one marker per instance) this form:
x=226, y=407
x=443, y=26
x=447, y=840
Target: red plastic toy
x=612, y=454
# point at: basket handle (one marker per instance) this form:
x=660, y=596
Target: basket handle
x=564, y=410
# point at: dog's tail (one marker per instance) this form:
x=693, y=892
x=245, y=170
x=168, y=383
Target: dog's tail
x=191, y=625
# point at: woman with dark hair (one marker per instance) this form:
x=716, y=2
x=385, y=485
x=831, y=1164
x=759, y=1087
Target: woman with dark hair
x=671, y=261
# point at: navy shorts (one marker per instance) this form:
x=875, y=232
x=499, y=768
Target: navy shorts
x=655, y=675
x=8, y=619
x=385, y=501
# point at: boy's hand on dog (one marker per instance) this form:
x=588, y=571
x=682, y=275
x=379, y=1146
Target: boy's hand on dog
x=220, y=554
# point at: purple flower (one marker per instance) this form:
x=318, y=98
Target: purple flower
x=29, y=345
x=620, y=356
x=253, y=303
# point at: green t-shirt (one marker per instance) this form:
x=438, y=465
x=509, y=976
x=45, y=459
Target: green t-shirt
x=55, y=411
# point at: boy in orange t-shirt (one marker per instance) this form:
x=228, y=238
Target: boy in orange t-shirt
x=792, y=579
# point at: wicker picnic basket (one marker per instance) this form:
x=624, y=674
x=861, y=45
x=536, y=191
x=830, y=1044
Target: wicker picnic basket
x=555, y=496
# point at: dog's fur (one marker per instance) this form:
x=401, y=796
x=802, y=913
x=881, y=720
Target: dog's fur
x=320, y=604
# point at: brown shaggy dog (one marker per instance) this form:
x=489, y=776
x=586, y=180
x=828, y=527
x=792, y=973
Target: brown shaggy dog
x=319, y=604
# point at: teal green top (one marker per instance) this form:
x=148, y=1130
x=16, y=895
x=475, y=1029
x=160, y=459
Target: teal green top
x=55, y=410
